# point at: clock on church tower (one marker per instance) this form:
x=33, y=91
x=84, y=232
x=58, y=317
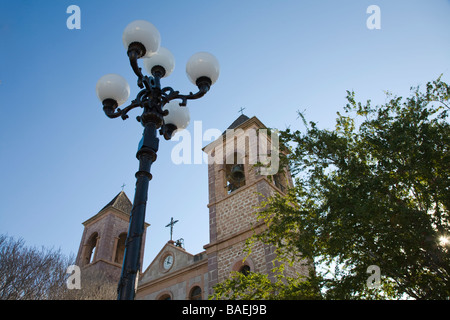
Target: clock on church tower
x=168, y=262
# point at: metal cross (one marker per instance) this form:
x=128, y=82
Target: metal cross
x=123, y=186
x=171, y=226
x=241, y=110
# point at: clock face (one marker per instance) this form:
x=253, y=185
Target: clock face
x=168, y=262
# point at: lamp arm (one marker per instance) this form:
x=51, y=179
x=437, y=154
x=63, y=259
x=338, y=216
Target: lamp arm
x=109, y=108
x=169, y=94
x=135, y=51
x=120, y=112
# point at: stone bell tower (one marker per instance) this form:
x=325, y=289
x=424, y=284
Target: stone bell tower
x=102, y=244
x=236, y=189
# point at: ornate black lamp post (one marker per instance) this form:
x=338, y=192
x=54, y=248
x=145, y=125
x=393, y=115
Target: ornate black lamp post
x=161, y=110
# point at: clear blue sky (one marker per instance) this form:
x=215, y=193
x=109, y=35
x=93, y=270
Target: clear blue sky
x=62, y=159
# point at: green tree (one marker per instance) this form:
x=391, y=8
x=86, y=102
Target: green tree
x=373, y=191
x=258, y=286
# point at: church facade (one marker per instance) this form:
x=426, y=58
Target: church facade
x=236, y=188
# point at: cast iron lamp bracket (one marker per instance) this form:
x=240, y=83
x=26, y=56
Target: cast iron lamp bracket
x=152, y=97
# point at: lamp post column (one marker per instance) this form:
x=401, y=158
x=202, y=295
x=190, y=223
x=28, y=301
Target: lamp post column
x=162, y=110
x=132, y=256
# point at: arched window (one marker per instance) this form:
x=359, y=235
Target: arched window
x=165, y=296
x=90, y=249
x=196, y=293
x=120, y=249
x=245, y=270
x=243, y=265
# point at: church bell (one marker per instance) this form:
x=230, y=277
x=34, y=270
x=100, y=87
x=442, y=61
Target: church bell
x=237, y=173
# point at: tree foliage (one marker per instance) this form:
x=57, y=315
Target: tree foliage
x=29, y=273
x=373, y=191
x=258, y=286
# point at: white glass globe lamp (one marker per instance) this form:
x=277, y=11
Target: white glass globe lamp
x=202, y=65
x=144, y=33
x=113, y=86
x=178, y=116
x=162, y=58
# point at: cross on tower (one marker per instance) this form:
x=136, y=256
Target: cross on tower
x=241, y=110
x=123, y=186
x=171, y=226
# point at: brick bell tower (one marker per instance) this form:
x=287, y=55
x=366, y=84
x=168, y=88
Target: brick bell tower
x=102, y=244
x=236, y=188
